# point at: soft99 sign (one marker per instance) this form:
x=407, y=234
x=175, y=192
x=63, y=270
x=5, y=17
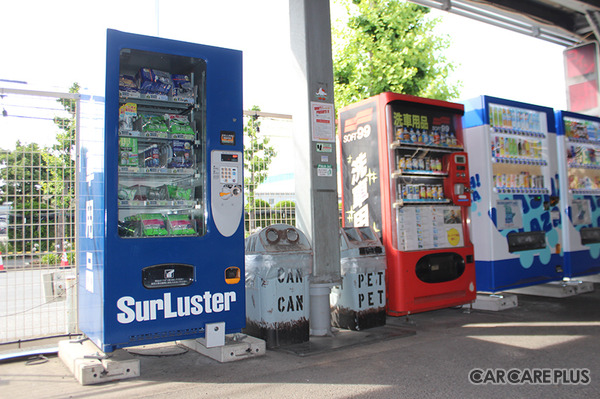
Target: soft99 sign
x=358, y=128
x=362, y=132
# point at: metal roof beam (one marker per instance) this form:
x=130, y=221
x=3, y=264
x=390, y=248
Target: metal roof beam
x=511, y=21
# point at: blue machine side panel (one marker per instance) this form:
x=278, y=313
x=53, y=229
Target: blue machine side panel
x=91, y=230
x=475, y=113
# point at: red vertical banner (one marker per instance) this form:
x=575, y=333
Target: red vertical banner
x=581, y=75
x=581, y=60
x=583, y=96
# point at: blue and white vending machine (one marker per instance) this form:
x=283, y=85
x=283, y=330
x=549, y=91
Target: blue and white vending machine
x=161, y=242
x=515, y=218
x=579, y=157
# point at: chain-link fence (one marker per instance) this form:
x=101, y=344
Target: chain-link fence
x=38, y=132
x=269, y=170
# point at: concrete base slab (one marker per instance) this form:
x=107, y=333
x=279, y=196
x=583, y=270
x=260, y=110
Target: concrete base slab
x=237, y=347
x=494, y=302
x=556, y=289
x=346, y=339
x=89, y=365
x=594, y=278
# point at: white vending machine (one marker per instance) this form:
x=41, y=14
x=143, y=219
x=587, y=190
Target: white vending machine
x=578, y=138
x=515, y=218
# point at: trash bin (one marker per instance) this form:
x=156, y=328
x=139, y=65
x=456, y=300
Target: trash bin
x=359, y=302
x=278, y=265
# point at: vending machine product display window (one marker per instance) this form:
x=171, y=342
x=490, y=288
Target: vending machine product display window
x=515, y=217
x=161, y=246
x=578, y=139
x=405, y=174
x=161, y=145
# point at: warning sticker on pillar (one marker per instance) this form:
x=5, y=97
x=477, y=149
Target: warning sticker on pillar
x=322, y=118
x=324, y=170
x=322, y=147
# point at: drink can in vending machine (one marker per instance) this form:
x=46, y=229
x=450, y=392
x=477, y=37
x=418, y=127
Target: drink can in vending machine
x=410, y=191
x=416, y=192
x=415, y=164
x=401, y=163
x=429, y=192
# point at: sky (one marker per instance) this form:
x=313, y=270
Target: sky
x=63, y=41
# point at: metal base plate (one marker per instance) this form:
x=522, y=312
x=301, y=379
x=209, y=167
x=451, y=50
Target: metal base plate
x=557, y=289
x=494, y=302
x=237, y=347
x=90, y=365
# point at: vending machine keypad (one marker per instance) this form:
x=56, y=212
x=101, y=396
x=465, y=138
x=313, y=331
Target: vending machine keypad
x=229, y=175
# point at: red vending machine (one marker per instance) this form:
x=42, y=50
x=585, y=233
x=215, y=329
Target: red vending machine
x=405, y=174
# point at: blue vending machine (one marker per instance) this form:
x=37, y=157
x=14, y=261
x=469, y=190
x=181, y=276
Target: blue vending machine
x=578, y=139
x=161, y=242
x=515, y=218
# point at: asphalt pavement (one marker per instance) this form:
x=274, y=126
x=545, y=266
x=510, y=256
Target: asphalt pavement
x=547, y=346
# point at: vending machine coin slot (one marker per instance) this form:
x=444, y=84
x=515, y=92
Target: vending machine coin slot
x=457, y=183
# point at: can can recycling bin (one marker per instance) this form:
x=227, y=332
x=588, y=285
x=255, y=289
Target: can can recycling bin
x=278, y=264
x=359, y=302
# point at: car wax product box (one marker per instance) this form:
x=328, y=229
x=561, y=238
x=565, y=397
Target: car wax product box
x=128, y=151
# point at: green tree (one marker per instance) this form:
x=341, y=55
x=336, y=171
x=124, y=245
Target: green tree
x=21, y=173
x=258, y=155
x=38, y=184
x=388, y=45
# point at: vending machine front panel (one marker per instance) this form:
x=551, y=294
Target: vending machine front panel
x=172, y=209
x=515, y=218
x=578, y=138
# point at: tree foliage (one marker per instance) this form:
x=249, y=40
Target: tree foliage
x=38, y=184
x=388, y=45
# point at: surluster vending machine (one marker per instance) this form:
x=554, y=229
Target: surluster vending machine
x=405, y=174
x=578, y=139
x=161, y=244
x=515, y=215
